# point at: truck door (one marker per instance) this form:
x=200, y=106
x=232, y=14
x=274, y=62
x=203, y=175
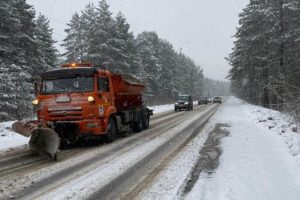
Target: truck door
x=104, y=97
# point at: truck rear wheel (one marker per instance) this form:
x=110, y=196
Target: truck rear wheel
x=146, y=121
x=111, y=131
x=138, y=125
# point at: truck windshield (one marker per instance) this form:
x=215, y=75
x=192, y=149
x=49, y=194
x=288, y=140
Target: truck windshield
x=67, y=85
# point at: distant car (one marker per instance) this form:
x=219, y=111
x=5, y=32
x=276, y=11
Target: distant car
x=184, y=102
x=217, y=100
x=203, y=100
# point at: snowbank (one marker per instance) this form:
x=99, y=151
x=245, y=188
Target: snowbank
x=259, y=158
x=162, y=108
x=166, y=107
x=10, y=139
x=281, y=124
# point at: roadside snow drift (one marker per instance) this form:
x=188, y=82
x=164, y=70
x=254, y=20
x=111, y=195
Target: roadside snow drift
x=10, y=139
x=259, y=160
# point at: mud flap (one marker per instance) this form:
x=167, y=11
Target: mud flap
x=45, y=141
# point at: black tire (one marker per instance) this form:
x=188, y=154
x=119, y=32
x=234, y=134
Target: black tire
x=138, y=125
x=175, y=109
x=111, y=131
x=146, y=121
x=55, y=157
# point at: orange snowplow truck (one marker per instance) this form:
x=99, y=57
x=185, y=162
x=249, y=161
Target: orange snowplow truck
x=82, y=102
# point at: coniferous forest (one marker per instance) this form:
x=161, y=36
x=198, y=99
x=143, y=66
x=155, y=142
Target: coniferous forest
x=92, y=35
x=265, y=59
x=26, y=50
x=95, y=35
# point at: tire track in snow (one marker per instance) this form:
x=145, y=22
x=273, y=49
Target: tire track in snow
x=208, y=161
x=114, y=149
x=140, y=175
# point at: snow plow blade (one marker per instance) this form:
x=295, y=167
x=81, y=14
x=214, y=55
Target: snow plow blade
x=24, y=128
x=45, y=141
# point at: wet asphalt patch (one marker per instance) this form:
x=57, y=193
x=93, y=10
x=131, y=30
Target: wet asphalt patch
x=208, y=161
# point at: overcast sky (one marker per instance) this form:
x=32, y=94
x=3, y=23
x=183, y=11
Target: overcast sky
x=203, y=29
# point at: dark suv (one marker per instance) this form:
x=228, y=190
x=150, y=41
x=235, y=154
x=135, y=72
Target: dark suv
x=203, y=100
x=184, y=102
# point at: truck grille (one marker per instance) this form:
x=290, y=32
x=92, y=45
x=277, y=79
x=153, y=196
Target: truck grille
x=64, y=108
x=65, y=111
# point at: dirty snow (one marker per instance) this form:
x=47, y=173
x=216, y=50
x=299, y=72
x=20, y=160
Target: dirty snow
x=10, y=139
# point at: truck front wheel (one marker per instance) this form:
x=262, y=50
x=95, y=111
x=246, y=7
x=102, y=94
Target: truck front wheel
x=111, y=131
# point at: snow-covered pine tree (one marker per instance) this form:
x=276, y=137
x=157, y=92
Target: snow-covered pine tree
x=25, y=42
x=100, y=50
x=98, y=37
x=265, y=58
x=167, y=60
x=47, y=52
x=25, y=47
x=123, y=55
x=189, y=76
x=16, y=92
x=8, y=31
x=88, y=18
x=168, y=73
x=147, y=46
x=250, y=74
x=17, y=58
x=76, y=39
x=288, y=49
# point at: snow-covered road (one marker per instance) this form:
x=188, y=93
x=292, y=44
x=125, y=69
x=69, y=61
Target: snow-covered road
x=259, y=159
x=242, y=152
x=90, y=170
x=256, y=162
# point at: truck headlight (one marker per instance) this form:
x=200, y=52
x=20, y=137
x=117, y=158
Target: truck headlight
x=186, y=103
x=35, y=102
x=91, y=99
